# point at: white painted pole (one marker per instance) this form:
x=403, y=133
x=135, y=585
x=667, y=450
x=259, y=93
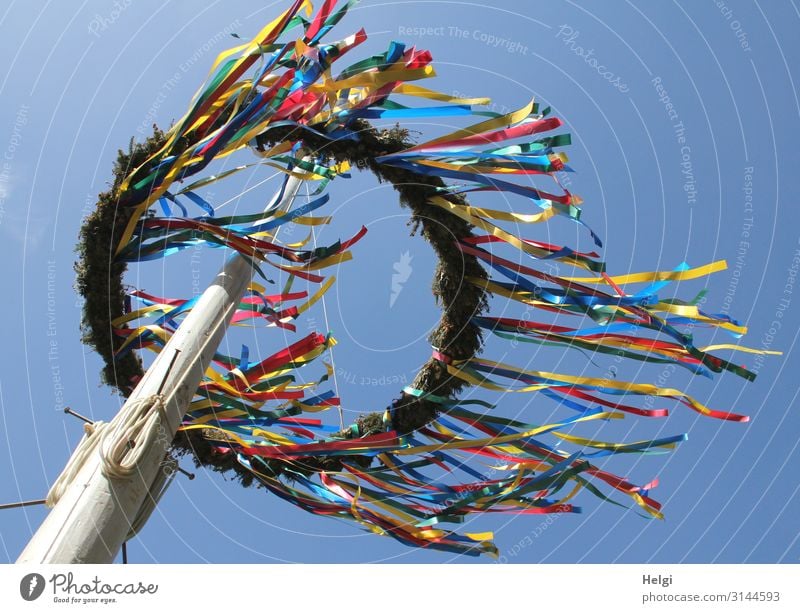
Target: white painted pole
x=92, y=519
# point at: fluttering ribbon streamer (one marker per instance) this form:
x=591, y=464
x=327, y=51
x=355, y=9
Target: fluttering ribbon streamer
x=466, y=461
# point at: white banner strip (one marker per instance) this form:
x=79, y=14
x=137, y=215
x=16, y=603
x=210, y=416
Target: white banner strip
x=390, y=588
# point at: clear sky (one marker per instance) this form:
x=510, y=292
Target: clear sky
x=684, y=118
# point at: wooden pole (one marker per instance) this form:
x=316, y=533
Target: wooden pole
x=92, y=519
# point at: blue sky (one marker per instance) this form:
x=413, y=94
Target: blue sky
x=683, y=117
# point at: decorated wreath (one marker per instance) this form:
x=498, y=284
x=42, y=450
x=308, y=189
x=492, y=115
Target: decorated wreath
x=409, y=469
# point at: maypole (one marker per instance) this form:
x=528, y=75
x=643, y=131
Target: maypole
x=437, y=453
x=119, y=468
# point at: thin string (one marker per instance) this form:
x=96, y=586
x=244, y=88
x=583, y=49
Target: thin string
x=327, y=328
x=249, y=189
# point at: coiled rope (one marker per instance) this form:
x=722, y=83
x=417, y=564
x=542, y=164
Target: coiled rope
x=122, y=443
